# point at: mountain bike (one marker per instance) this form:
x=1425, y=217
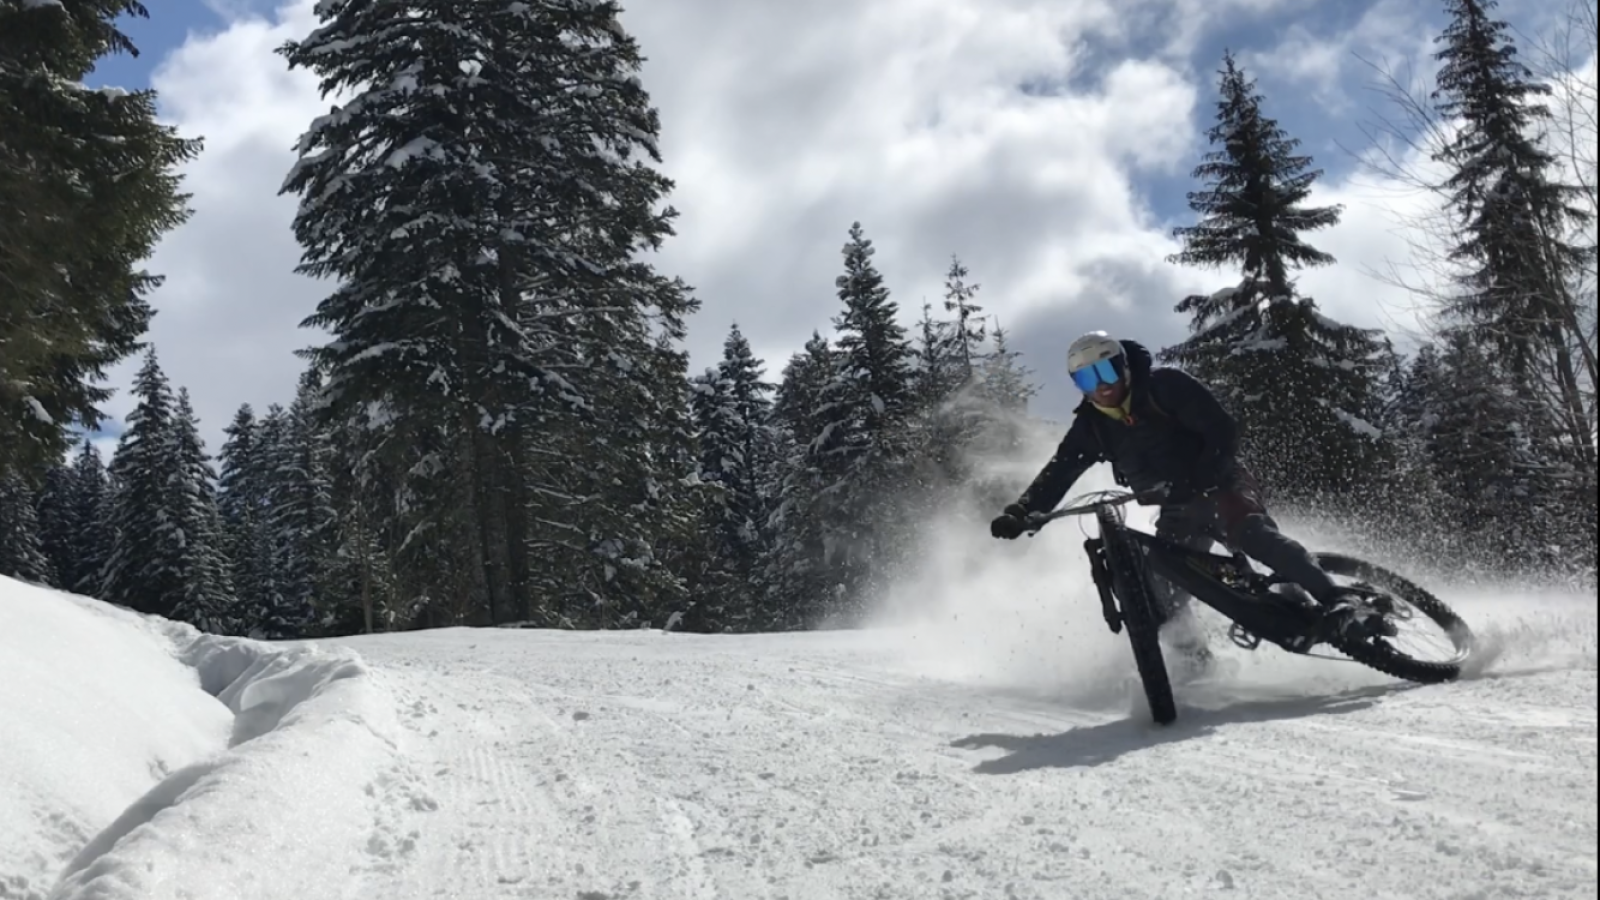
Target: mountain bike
x=1262, y=607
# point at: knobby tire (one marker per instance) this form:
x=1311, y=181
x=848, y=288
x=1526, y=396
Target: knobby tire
x=1381, y=656
x=1130, y=579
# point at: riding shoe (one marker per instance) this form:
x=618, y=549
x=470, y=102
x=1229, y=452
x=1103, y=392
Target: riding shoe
x=1347, y=614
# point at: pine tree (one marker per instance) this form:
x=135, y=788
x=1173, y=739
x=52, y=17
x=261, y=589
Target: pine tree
x=1516, y=222
x=484, y=218
x=88, y=184
x=21, y=552
x=1303, y=386
x=861, y=450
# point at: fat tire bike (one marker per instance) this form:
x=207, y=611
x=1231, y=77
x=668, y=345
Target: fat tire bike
x=1262, y=607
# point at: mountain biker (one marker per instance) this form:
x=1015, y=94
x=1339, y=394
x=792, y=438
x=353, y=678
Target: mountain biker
x=1161, y=426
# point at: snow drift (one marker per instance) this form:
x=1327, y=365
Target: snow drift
x=141, y=759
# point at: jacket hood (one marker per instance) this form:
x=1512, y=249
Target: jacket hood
x=1140, y=361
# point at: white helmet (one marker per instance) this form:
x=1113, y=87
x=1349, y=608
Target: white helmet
x=1092, y=348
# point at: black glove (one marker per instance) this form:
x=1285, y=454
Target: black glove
x=1009, y=525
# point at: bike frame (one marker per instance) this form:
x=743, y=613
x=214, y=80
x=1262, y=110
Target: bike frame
x=1230, y=586
x=1227, y=584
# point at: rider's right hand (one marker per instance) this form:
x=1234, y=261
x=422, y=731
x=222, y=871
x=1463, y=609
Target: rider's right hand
x=1009, y=525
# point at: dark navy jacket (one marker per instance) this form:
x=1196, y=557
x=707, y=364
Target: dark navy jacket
x=1186, y=438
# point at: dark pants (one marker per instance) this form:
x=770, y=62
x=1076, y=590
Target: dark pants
x=1238, y=519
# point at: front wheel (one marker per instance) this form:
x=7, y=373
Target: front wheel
x=1131, y=583
x=1381, y=653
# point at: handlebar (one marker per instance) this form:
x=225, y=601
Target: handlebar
x=1087, y=504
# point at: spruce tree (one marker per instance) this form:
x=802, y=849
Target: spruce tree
x=357, y=590
x=952, y=414
x=967, y=329
x=1303, y=386
x=1415, y=507
x=1005, y=383
x=733, y=427
x=483, y=202
x=861, y=450
x=92, y=511
x=1486, y=456
x=1251, y=207
x=207, y=595
x=144, y=570
x=88, y=184
x=1004, y=390
x=358, y=584
x=799, y=578
x=165, y=556
x=717, y=467
x=58, y=524
x=300, y=496
x=751, y=415
x=1516, y=222
x=243, y=503
x=938, y=371
x=683, y=544
x=22, y=553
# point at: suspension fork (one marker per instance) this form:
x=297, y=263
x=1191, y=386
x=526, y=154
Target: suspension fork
x=1101, y=572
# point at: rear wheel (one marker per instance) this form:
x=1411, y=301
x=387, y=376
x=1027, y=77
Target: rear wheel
x=1130, y=580
x=1452, y=639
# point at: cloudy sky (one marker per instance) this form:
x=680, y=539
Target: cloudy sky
x=1047, y=142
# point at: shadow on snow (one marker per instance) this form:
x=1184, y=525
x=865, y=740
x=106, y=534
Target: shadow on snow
x=1097, y=744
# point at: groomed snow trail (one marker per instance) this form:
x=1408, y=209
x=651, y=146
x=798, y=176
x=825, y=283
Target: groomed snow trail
x=1002, y=754
x=803, y=767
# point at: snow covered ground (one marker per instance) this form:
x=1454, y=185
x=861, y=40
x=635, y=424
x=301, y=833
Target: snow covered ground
x=983, y=741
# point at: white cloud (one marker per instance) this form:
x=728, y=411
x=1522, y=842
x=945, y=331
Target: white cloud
x=1389, y=34
x=782, y=123
x=227, y=316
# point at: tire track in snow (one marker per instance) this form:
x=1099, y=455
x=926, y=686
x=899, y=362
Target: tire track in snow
x=778, y=769
x=542, y=809
x=505, y=806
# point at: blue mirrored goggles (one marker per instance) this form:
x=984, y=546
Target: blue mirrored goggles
x=1106, y=371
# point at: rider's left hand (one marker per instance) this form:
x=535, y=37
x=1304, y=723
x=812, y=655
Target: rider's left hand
x=1009, y=525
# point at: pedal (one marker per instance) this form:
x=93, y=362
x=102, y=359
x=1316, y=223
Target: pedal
x=1241, y=638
